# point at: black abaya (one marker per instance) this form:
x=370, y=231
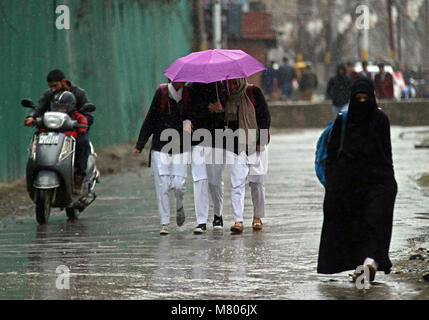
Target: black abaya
x=360, y=189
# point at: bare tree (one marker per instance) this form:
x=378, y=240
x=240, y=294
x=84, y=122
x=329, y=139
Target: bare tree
x=324, y=31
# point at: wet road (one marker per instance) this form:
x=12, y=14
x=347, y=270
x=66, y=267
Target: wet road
x=115, y=251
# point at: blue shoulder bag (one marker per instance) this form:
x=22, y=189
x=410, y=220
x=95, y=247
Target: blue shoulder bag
x=322, y=147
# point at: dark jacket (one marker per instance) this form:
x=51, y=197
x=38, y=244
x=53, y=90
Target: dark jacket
x=285, y=74
x=158, y=120
x=339, y=88
x=47, y=97
x=267, y=79
x=308, y=80
x=201, y=95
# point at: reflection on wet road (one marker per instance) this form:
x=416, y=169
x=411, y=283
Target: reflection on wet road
x=115, y=251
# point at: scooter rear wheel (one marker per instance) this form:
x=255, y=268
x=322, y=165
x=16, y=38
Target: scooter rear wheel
x=43, y=205
x=72, y=213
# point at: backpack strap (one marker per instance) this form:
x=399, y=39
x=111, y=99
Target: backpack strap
x=249, y=93
x=185, y=95
x=164, y=95
x=343, y=116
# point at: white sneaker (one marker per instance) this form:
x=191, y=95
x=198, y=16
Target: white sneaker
x=164, y=229
x=201, y=228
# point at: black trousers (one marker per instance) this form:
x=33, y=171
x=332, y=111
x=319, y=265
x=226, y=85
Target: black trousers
x=81, y=155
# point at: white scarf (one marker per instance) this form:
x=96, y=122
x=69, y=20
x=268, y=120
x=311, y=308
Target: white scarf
x=173, y=94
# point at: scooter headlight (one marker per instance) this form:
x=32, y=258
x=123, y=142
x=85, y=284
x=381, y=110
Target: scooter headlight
x=54, y=120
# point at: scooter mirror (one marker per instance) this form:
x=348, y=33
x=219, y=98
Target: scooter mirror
x=88, y=107
x=27, y=103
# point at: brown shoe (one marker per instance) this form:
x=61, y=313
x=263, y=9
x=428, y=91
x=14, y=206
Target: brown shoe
x=372, y=272
x=257, y=224
x=78, y=185
x=237, y=227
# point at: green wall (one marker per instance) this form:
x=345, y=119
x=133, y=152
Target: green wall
x=115, y=49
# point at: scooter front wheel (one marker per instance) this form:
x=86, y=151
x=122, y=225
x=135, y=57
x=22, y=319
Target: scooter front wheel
x=43, y=205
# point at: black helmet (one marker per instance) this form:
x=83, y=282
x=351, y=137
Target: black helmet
x=64, y=101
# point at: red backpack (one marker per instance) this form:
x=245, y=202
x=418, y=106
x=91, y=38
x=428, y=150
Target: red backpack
x=164, y=95
x=249, y=93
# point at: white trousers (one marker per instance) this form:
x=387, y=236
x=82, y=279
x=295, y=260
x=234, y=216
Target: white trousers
x=257, y=190
x=243, y=170
x=252, y=170
x=199, y=175
x=215, y=171
x=170, y=173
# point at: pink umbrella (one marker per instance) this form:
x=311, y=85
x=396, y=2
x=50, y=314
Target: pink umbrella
x=213, y=65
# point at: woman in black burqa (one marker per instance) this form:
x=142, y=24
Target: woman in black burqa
x=360, y=189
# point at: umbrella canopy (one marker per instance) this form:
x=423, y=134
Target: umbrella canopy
x=213, y=65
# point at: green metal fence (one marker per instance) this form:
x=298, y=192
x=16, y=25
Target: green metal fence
x=115, y=49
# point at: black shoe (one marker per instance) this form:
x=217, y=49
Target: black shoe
x=201, y=228
x=180, y=217
x=217, y=223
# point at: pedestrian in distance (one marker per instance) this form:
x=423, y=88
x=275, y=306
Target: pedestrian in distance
x=307, y=84
x=285, y=76
x=383, y=83
x=339, y=89
x=360, y=189
x=269, y=80
x=365, y=72
x=168, y=159
x=246, y=110
x=351, y=73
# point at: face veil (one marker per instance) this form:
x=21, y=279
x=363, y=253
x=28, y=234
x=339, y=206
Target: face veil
x=361, y=111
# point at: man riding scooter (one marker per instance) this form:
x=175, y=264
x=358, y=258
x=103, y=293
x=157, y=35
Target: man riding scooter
x=58, y=83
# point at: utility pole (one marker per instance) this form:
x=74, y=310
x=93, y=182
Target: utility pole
x=217, y=24
x=391, y=41
x=399, y=31
x=426, y=50
x=328, y=38
x=201, y=23
x=199, y=41
x=365, y=37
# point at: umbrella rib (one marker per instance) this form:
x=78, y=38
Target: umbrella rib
x=222, y=53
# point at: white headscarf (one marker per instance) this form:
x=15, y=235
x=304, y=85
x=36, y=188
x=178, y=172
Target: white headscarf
x=173, y=94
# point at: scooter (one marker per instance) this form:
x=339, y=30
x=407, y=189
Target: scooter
x=50, y=166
